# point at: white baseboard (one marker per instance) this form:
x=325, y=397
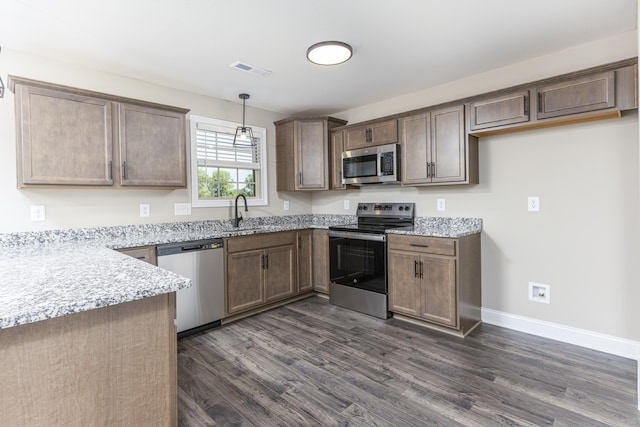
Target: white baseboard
x=555, y=331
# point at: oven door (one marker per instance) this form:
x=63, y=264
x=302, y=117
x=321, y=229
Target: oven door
x=358, y=260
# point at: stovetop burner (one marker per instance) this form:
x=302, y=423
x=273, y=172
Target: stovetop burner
x=378, y=217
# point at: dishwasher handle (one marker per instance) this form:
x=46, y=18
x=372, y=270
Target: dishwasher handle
x=192, y=248
x=187, y=247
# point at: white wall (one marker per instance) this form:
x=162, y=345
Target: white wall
x=73, y=208
x=583, y=242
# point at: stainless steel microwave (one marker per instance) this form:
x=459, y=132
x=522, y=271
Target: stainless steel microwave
x=372, y=165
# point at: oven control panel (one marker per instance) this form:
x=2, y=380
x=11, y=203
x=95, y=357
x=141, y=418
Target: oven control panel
x=396, y=210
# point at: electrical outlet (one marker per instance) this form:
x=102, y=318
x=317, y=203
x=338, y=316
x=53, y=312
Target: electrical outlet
x=440, y=204
x=182, y=208
x=286, y=205
x=345, y=204
x=38, y=213
x=533, y=204
x=539, y=292
x=144, y=210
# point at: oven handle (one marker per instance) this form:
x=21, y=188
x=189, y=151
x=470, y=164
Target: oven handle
x=358, y=236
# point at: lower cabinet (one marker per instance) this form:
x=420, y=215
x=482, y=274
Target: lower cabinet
x=436, y=280
x=260, y=269
x=305, y=261
x=320, y=261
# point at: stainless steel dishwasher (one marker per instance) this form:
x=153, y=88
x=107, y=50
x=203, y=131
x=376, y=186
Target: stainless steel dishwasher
x=202, y=305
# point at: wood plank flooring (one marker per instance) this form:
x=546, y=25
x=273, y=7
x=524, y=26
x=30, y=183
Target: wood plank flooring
x=313, y=364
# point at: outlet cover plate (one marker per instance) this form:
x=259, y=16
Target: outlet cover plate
x=533, y=204
x=440, y=205
x=38, y=213
x=182, y=208
x=145, y=210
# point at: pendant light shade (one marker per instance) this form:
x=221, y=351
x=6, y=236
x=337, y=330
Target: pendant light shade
x=244, y=134
x=329, y=53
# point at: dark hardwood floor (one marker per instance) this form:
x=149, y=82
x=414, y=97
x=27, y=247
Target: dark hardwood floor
x=313, y=364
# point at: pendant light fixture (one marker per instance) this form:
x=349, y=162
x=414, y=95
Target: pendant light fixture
x=244, y=133
x=329, y=53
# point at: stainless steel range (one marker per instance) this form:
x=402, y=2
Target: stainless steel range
x=358, y=257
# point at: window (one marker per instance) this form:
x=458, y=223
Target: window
x=220, y=170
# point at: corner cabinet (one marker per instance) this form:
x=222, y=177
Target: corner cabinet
x=73, y=137
x=260, y=269
x=302, y=153
x=436, y=280
x=436, y=150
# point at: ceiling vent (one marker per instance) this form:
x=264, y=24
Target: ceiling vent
x=250, y=69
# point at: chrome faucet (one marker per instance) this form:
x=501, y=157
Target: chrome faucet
x=238, y=217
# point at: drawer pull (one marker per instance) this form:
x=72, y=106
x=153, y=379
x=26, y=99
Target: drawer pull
x=419, y=245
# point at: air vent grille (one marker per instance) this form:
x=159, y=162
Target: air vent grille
x=250, y=69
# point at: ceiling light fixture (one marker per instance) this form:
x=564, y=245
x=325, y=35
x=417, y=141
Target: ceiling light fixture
x=243, y=133
x=1, y=85
x=329, y=53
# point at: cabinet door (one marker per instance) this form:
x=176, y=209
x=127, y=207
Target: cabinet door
x=152, y=147
x=503, y=110
x=312, y=155
x=337, y=147
x=321, y=261
x=415, y=135
x=280, y=273
x=63, y=138
x=581, y=95
x=385, y=132
x=438, y=298
x=244, y=284
x=305, y=261
x=404, y=283
x=448, y=154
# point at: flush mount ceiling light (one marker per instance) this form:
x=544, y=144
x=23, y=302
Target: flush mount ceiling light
x=244, y=133
x=329, y=53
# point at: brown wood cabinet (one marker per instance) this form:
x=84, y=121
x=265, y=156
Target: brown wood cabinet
x=337, y=147
x=305, y=261
x=260, y=269
x=73, y=137
x=435, y=148
x=143, y=253
x=502, y=110
x=578, y=95
x=436, y=280
x=378, y=133
x=320, y=260
x=302, y=153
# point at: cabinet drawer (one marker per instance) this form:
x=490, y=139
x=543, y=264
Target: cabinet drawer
x=259, y=241
x=427, y=245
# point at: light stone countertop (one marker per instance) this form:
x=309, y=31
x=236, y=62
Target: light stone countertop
x=53, y=273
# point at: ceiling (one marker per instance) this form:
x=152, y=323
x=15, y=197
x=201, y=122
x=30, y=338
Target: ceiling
x=399, y=46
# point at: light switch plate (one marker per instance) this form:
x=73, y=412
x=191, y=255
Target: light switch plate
x=286, y=205
x=345, y=204
x=440, y=205
x=182, y=208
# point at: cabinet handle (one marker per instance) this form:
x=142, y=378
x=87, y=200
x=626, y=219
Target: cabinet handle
x=421, y=264
x=299, y=242
x=110, y=169
x=124, y=170
x=433, y=169
x=526, y=107
x=428, y=170
x=415, y=268
x=299, y=178
x=266, y=261
x=419, y=245
x=539, y=102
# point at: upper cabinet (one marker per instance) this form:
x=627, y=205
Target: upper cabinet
x=436, y=150
x=600, y=92
x=302, y=153
x=73, y=137
x=579, y=95
x=336, y=149
x=378, y=133
x=503, y=110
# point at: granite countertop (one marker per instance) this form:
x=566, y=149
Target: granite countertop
x=53, y=273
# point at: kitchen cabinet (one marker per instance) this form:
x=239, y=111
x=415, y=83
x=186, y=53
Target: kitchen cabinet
x=436, y=150
x=377, y=133
x=305, y=261
x=436, y=280
x=302, y=153
x=321, y=261
x=143, y=253
x=260, y=269
x=337, y=147
x=73, y=137
x=578, y=95
x=507, y=109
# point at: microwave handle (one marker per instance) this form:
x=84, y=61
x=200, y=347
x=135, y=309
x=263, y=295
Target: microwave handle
x=380, y=164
